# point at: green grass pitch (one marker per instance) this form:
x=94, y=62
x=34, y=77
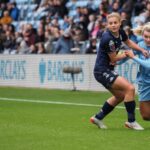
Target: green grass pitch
x=43, y=119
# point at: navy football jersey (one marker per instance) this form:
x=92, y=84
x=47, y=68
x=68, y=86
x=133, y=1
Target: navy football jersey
x=108, y=44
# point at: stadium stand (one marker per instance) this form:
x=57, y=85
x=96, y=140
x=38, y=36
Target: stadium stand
x=57, y=16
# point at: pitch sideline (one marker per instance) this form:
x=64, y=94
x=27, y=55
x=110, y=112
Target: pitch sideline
x=54, y=102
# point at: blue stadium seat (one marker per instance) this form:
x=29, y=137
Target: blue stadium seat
x=97, y=2
x=15, y=23
x=72, y=13
x=23, y=1
x=81, y=3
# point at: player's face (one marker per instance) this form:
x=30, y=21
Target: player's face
x=113, y=24
x=146, y=37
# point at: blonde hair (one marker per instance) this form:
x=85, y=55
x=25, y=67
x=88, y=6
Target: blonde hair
x=146, y=27
x=140, y=30
x=114, y=14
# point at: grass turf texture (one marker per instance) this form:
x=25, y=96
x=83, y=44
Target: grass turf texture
x=41, y=126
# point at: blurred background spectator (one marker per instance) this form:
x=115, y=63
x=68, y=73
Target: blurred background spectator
x=64, y=44
x=39, y=26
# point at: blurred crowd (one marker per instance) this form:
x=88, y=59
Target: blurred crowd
x=64, y=26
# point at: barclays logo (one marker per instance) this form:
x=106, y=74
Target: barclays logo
x=42, y=70
x=52, y=70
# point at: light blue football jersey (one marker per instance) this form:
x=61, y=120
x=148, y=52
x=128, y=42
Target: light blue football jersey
x=143, y=75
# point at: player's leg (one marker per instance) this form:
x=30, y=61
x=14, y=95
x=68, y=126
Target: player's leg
x=106, y=78
x=122, y=90
x=118, y=97
x=110, y=104
x=125, y=86
x=129, y=91
x=145, y=110
x=107, y=108
x=144, y=98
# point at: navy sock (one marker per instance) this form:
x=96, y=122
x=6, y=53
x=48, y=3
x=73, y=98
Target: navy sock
x=130, y=107
x=106, y=109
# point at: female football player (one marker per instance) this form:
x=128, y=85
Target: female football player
x=104, y=73
x=143, y=76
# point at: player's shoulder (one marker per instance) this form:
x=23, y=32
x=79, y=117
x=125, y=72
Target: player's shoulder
x=141, y=44
x=106, y=36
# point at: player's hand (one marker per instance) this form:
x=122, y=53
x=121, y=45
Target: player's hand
x=129, y=53
x=113, y=64
x=145, y=53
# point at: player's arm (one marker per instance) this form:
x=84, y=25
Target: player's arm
x=134, y=46
x=145, y=63
x=112, y=53
x=114, y=57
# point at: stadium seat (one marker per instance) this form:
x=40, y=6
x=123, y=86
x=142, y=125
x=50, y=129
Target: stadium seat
x=81, y=3
x=72, y=13
x=97, y=2
x=23, y=1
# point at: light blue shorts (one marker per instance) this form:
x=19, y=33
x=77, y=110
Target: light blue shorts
x=144, y=92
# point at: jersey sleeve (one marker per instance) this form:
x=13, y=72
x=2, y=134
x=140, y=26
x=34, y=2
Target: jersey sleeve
x=145, y=63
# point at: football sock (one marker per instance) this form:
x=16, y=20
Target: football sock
x=130, y=107
x=106, y=109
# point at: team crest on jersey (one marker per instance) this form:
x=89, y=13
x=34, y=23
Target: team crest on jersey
x=112, y=45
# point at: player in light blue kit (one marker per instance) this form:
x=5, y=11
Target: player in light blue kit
x=143, y=76
x=144, y=63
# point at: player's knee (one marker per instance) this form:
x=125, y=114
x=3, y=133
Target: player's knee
x=146, y=117
x=131, y=88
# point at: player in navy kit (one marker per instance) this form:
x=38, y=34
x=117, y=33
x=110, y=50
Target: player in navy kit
x=107, y=57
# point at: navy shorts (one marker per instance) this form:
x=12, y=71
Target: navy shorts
x=106, y=77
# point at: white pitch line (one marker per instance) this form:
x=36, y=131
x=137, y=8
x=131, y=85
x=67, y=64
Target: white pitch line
x=53, y=102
